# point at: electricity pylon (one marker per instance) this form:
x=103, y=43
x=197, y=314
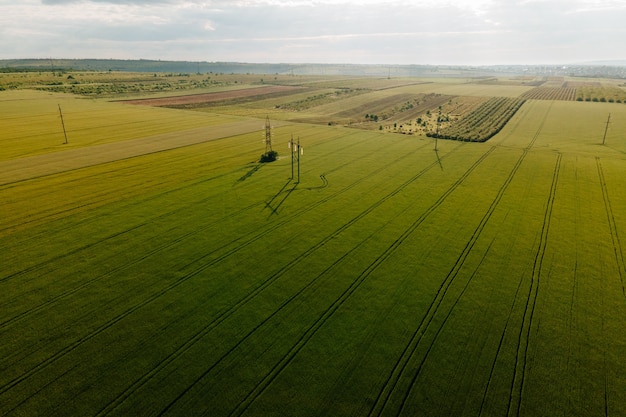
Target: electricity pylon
x=268, y=136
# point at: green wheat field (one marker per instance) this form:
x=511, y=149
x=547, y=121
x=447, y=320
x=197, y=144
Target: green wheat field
x=152, y=266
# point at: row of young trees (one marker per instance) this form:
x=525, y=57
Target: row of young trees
x=551, y=93
x=483, y=123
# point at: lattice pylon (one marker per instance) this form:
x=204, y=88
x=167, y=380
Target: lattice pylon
x=268, y=136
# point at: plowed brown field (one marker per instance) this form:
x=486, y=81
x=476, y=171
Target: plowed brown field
x=213, y=97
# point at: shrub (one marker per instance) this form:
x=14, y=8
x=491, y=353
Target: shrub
x=269, y=156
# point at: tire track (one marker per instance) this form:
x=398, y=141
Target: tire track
x=124, y=208
x=204, y=180
x=617, y=244
x=113, y=271
x=265, y=284
x=401, y=367
x=142, y=258
x=99, y=196
x=289, y=217
x=519, y=374
x=279, y=367
x=519, y=286
x=324, y=183
x=228, y=252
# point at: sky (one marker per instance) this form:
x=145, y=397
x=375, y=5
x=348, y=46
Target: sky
x=435, y=32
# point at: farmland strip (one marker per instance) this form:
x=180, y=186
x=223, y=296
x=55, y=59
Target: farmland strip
x=262, y=385
x=519, y=374
x=617, y=245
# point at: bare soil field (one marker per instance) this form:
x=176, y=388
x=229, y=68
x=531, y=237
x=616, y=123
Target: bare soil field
x=195, y=99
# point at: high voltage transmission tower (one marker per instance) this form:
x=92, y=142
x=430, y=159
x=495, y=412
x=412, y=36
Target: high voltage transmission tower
x=270, y=154
x=268, y=135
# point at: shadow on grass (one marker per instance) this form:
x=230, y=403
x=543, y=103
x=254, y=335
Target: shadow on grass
x=251, y=172
x=274, y=204
x=439, y=159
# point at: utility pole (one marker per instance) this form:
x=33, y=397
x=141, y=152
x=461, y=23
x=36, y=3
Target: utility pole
x=606, y=128
x=300, y=152
x=292, y=147
x=437, y=133
x=296, y=152
x=63, y=124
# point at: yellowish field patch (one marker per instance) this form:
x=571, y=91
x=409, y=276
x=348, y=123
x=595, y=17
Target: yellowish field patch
x=32, y=125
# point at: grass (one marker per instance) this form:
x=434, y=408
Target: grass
x=481, y=279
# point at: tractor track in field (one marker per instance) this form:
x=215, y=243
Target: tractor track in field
x=450, y=278
x=265, y=383
x=610, y=217
x=619, y=259
x=226, y=313
x=401, y=367
x=286, y=219
x=519, y=286
x=518, y=380
x=103, y=327
x=121, y=170
x=113, y=271
x=104, y=195
x=168, y=245
x=117, y=234
x=275, y=313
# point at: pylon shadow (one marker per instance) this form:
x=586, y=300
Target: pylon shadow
x=248, y=174
x=274, y=204
x=439, y=159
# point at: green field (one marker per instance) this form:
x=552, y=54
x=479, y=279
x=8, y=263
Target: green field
x=152, y=266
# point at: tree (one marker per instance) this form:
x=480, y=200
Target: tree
x=269, y=156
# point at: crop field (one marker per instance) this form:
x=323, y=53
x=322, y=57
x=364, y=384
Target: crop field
x=601, y=94
x=483, y=123
x=551, y=93
x=152, y=266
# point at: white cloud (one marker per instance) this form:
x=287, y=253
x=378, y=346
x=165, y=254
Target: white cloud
x=373, y=31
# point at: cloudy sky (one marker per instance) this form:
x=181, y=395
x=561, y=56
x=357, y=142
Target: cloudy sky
x=473, y=32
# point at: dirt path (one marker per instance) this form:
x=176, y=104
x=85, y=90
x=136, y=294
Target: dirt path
x=22, y=169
